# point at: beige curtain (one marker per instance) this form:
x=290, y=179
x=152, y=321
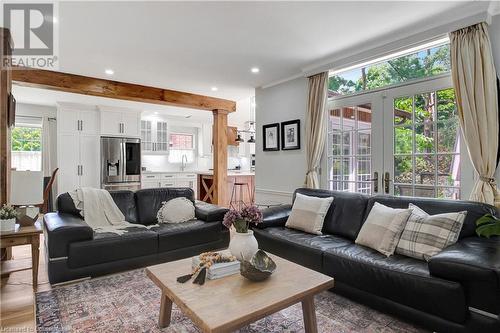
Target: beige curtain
x=316, y=130
x=474, y=79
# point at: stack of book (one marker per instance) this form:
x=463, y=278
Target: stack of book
x=219, y=270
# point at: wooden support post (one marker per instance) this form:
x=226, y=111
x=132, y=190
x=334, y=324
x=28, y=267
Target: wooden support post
x=5, y=89
x=220, y=157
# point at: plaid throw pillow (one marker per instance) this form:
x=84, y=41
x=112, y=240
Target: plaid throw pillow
x=426, y=235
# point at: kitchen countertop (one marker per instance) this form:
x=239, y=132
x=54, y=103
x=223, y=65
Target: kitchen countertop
x=205, y=172
x=230, y=173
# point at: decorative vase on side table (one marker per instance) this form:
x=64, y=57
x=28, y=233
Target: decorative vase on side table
x=243, y=244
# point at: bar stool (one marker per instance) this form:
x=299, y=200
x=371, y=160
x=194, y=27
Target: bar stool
x=237, y=202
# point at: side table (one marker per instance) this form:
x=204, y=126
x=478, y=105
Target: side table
x=22, y=236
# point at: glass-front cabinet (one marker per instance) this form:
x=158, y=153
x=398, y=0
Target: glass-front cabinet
x=154, y=136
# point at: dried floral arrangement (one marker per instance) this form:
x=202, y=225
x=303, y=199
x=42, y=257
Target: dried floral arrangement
x=207, y=259
x=242, y=220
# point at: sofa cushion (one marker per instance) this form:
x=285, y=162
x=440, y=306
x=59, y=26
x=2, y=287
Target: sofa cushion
x=308, y=213
x=107, y=247
x=437, y=206
x=346, y=213
x=149, y=201
x=173, y=236
x=297, y=246
x=401, y=279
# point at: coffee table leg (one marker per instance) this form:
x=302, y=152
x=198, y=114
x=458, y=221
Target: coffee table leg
x=309, y=313
x=35, y=251
x=165, y=311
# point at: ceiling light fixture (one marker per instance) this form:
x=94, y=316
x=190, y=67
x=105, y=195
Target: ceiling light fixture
x=255, y=70
x=156, y=112
x=251, y=140
x=109, y=71
x=214, y=88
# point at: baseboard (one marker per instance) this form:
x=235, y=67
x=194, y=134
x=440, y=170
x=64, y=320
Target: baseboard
x=272, y=196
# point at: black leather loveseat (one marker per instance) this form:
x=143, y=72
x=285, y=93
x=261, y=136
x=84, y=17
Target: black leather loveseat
x=458, y=290
x=74, y=251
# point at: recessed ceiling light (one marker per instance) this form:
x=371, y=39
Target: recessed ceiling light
x=109, y=71
x=214, y=88
x=156, y=112
x=255, y=70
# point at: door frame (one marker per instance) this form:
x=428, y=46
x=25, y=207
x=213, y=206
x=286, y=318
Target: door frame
x=381, y=100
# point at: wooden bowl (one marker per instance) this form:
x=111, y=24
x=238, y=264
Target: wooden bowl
x=259, y=268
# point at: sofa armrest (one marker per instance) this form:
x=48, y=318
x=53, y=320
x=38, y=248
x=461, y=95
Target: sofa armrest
x=475, y=263
x=61, y=229
x=208, y=212
x=275, y=216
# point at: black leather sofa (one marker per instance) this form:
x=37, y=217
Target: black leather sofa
x=458, y=290
x=74, y=251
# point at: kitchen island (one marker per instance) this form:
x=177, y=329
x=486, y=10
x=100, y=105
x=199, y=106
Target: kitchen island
x=205, y=185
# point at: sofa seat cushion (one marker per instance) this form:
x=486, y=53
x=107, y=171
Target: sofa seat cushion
x=298, y=246
x=401, y=279
x=173, y=236
x=107, y=247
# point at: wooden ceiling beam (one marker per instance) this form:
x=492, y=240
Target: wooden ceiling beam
x=38, y=78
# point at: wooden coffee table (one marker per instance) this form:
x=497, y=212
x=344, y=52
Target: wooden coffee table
x=229, y=303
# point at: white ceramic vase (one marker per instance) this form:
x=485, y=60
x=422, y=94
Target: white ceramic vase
x=243, y=245
x=8, y=225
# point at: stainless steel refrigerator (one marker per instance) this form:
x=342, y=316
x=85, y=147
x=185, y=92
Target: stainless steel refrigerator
x=120, y=163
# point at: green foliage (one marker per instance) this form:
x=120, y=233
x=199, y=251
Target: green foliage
x=7, y=212
x=26, y=139
x=487, y=226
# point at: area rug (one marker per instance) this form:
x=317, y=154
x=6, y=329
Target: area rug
x=129, y=302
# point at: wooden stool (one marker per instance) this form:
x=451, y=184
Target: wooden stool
x=237, y=202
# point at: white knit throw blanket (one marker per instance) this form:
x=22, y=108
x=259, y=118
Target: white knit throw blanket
x=99, y=211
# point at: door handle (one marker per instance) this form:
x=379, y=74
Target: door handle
x=81, y=125
x=375, y=181
x=387, y=181
x=81, y=169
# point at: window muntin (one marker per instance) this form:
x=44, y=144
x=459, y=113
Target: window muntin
x=424, y=63
x=427, y=145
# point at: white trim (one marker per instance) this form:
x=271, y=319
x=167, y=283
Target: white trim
x=275, y=83
x=285, y=194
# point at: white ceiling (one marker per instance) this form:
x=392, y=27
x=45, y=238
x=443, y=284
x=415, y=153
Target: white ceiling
x=193, y=46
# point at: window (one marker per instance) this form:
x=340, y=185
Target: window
x=426, y=62
x=394, y=138
x=181, y=145
x=26, y=147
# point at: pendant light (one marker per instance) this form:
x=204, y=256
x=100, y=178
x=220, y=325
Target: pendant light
x=251, y=140
x=239, y=139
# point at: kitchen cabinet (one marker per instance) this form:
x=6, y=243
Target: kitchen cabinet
x=77, y=147
x=170, y=179
x=116, y=122
x=205, y=184
x=154, y=136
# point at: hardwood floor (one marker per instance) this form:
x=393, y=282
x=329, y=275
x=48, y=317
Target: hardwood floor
x=17, y=298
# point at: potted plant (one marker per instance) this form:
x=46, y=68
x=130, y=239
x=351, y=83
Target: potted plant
x=8, y=216
x=487, y=226
x=243, y=244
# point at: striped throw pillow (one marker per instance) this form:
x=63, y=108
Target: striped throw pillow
x=308, y=213
x=426, y=235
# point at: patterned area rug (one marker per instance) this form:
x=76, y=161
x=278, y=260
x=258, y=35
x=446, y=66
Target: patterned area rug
x=129, y=302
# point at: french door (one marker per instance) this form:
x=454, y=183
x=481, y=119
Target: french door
x=402, y=140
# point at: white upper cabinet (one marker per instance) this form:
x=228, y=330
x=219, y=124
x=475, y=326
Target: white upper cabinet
x=73, y=118
x=154, y=136
x=120, y=122
x=206, y=140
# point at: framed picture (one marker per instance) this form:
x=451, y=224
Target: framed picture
x=290, y=135
x=271, y=140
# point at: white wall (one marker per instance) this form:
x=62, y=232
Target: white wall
x=279, y=173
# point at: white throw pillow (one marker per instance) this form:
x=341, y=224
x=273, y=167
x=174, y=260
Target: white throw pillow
x=176, y=211
x=308, y=213
x=382, y=228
